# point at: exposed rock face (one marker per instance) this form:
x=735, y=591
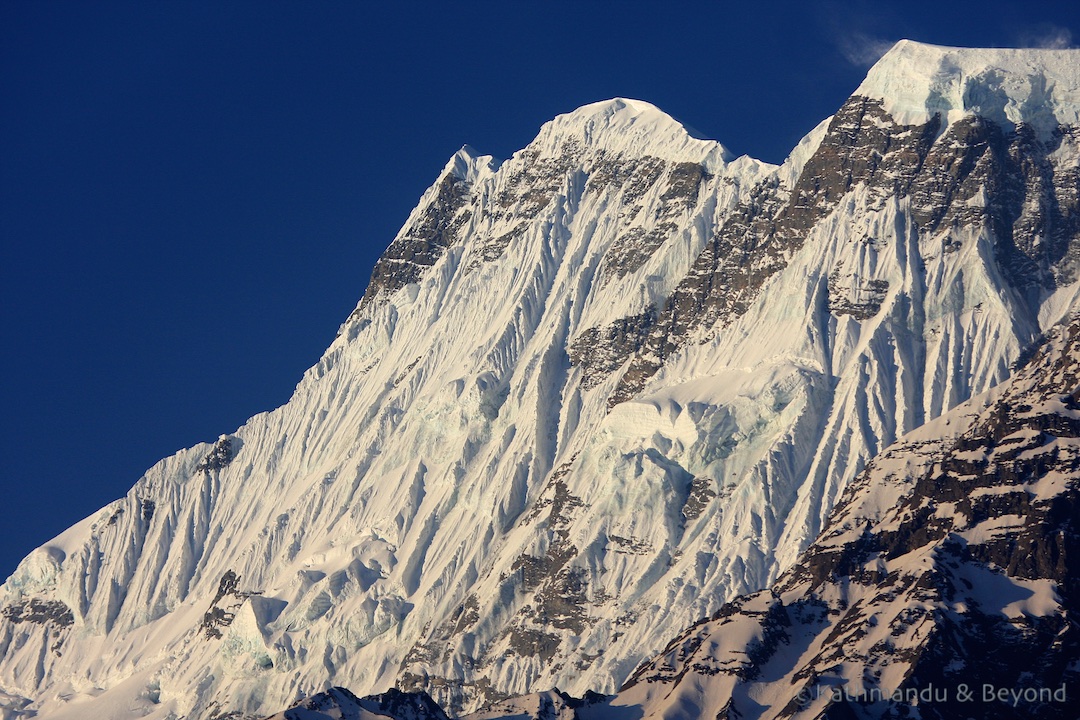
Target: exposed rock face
x=861, y=302
x=975, y=174
x=222, y=608
x=942, y=586
x=41, y=612
x=681, y=194
x=223, y=452
x=601, y=351
x=423, y=241
x=340, y=704
x=592, y=393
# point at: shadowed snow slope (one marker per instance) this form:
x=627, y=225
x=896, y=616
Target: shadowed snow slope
x=590, y=394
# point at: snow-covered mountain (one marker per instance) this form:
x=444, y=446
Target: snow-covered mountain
x=591, y=394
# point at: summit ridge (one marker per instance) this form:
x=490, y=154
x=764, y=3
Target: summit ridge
x=631, y=127
x=1009, y=86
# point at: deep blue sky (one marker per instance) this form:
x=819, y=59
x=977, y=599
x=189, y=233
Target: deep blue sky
x=192, y=195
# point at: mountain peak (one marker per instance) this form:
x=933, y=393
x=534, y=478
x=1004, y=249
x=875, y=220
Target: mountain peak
x=626, y=126
x=627, y=107
x=467, y=164
x=1036, y=86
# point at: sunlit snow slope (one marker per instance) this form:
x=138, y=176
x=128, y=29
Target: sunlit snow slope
x=590, y=394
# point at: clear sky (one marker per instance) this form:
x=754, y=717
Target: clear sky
x=192, y=194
